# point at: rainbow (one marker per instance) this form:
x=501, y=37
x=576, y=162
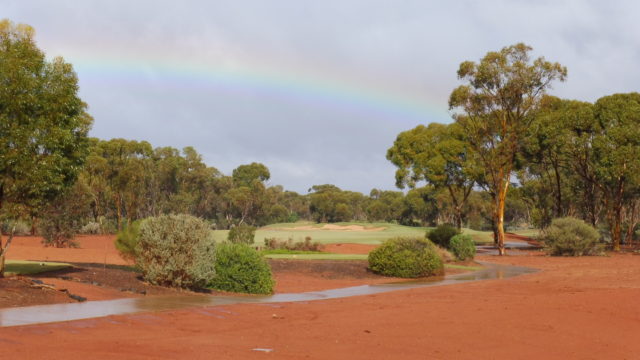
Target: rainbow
x=287, y=85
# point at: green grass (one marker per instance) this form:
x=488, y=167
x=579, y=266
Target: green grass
x=479, y=237
x=532, y=233
x=285, y=231
x=19, y=267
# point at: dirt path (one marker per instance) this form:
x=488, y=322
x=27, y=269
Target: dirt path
x=578, y=308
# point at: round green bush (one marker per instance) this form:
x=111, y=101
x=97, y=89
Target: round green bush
x=239, y=268
x=176, y=250
x=242, y=234
x=442, y=235
x=406, y=258
x=463, y=247
x=571, y=237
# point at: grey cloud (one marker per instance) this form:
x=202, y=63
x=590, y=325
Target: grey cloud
x=404, y=48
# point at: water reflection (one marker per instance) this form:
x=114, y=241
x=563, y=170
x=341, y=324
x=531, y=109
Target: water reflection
x=93, y=309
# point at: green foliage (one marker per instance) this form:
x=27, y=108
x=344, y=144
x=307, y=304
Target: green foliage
x=463, y=247
x=442, y=234
x=406, y=258
x=43, y=123
x=239, y=268
x=247, y=175
x=127, y=240
x=176, y=250
x=18, y=227
x=242, y=234
x=439, y=155
x=63, y=218
x=571, y=237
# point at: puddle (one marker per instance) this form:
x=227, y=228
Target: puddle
x=517, y=248
x=42, y=314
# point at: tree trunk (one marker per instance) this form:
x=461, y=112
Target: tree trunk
x=3, y=249
x=2, y=266
x=458, y=219
x=559, y=205
x=633, y=222
x=1, y=256
x=502, y=198
x=494, y=227
x=119, y=211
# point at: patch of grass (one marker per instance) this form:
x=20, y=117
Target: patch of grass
x=479, y=237
x=287, y=230
x=20, y=267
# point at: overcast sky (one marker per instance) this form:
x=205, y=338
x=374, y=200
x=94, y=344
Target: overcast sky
x=315, y=90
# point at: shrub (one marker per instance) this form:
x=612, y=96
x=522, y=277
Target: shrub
x=176, y=250
x=306, y=245
x=127, y=240
x=407, y=258
x=442, y=234
x=90, y=228
x=239, y=268
x=61, y=219
x=242, y=234
x=571, y=237
x=463, y=247
x=444, y=254
x=18, y=227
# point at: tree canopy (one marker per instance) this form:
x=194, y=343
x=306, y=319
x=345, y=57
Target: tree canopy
x=43, y=124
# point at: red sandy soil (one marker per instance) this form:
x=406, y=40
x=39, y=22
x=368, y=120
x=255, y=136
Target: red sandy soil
x=575, y=308
x=348, y=248
x=91, y=249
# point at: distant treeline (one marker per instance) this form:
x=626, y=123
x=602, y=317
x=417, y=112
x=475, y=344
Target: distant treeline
x=125, y=180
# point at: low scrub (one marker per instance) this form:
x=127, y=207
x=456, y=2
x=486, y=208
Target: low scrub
x=176, y=250
x=242, y=234
x=571, y=237
x=406, y=258
x=289, y=244
x=240, y=268
x=463, y=247
x=127, y=240
x=91, y=228
x=442, y=235
x=18, y=227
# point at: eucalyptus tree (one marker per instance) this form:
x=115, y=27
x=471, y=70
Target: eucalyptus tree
x=438, y=155
x=615, y=149
x=495, y=108
x=43, y=125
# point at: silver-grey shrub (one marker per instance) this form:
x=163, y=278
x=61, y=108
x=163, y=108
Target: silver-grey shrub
x=571, y=237
x=176, y=250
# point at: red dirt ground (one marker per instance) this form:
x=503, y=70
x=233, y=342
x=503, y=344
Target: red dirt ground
x=92, y=249
x=574, y=308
